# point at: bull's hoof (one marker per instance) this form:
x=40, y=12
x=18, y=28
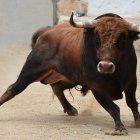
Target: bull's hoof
x=71, y=111
x=137, y=123
x=118, y=131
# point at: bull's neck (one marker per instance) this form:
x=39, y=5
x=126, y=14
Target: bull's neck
x=88, y=55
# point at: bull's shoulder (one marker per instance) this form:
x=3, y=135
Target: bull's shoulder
x=62, y=34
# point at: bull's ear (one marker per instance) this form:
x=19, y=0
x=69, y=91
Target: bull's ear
x=133, y=35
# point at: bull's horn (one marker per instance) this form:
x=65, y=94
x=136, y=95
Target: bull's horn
x=82, y=24
x=134, y=27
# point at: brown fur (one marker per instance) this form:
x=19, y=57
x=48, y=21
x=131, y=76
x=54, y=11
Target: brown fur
x=106, y=27
x=76, y=53
x=53, y=77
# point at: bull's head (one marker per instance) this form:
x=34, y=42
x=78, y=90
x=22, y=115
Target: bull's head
x=113, y=37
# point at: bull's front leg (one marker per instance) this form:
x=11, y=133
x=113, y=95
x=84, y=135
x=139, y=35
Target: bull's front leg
x=113, y=110
x=130, y=93
x=68, y=108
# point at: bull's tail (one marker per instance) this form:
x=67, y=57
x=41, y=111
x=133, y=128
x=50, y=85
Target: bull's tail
x=37, y=34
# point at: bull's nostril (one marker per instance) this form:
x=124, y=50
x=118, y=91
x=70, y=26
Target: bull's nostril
x=110, y=66
x=100, y=66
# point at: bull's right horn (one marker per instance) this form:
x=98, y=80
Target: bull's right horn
x=134, y=27
x=82, y=24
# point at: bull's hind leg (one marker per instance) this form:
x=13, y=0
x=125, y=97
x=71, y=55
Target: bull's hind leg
x=31, y=72
x=131, y=101
x=58, y=91
x=12, y=91
x=114, y=111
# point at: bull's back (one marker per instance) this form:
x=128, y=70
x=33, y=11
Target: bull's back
x=66, y=41
x=37, y=34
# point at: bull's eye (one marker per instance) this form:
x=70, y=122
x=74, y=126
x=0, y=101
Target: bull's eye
x=97, y=41
x=120, y=44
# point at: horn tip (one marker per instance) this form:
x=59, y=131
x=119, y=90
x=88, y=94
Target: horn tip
x=71, y=19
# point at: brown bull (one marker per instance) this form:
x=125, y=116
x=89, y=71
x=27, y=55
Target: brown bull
x=57, y=81
x=98, y=54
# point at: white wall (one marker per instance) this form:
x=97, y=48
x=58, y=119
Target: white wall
x=19, y=19
x=125, y=8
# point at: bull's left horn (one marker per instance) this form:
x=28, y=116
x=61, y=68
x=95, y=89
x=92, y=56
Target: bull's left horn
x=82, y=24
x=134, y=27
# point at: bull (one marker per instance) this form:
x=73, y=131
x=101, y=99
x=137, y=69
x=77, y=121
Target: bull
x=97, y=54
x=57, y=81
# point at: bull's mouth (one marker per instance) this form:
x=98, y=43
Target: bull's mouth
x=106, y=67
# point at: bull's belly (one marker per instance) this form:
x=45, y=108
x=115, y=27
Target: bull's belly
x=116, y=96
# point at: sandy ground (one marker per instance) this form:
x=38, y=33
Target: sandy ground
x=35, y=115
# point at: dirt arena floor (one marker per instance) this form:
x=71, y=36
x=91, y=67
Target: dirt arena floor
x=35, y=115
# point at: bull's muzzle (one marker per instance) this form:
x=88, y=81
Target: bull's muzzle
x=106, y=67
